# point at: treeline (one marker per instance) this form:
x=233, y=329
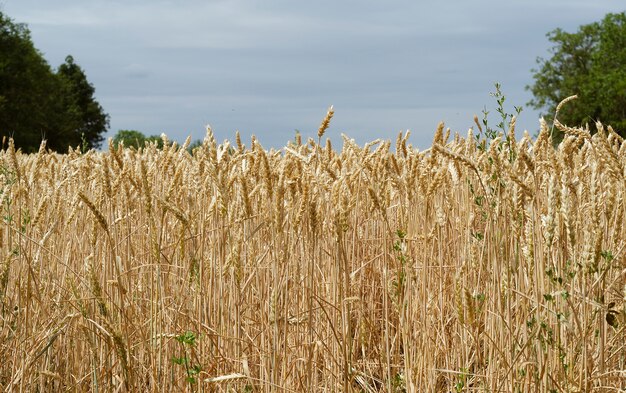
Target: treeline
x=37, y=102
x=136, y=139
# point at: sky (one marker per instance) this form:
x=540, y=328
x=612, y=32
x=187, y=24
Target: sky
x=268, y=68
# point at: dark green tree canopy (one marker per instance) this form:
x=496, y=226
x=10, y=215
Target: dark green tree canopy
x=136, y=139
x=26, y=86
x=37, y=103
x=590, y=63
x=87, y=120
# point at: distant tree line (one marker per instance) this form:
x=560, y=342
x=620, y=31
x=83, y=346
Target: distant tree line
x=37, y=102
x=136, y=139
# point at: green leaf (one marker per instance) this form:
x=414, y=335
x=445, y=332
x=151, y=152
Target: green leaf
x=180, y=361
x=607, y=255
x=188, y=338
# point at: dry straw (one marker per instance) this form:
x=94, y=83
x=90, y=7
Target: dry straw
x=367, y=268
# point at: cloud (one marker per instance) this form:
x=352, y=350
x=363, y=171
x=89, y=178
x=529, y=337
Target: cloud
x=136, y=71
x=268, y=67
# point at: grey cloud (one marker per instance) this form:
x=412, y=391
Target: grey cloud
x=269, y=67
x=136, y=71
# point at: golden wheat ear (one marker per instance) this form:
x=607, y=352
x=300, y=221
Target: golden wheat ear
x=472, y=264
x=326, y=122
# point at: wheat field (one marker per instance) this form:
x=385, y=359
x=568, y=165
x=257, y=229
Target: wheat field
x=474, y=265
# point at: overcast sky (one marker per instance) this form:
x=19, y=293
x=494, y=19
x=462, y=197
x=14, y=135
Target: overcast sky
x=269, y=67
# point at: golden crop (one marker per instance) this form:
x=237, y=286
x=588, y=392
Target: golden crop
x=470, y=266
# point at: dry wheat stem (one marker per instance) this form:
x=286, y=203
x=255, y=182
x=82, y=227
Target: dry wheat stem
x=366, y=268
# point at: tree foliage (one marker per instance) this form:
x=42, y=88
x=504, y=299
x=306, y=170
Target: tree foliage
x=37, y=103
x=135, y=139
x=26, y=84
x=590, y=63
x=86, y=118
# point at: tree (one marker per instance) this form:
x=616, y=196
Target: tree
x=37, y=103
x=86, y=119
x=26, y=88
x=135, y=139
x=590, y=63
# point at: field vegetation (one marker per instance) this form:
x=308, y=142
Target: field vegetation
x=479, y=264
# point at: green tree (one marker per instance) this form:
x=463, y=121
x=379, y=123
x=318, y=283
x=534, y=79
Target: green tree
x=86, y=120
x=590, y=63
x=28, y=109
x=37, y=103
x=136, y=139
x=130, y=138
